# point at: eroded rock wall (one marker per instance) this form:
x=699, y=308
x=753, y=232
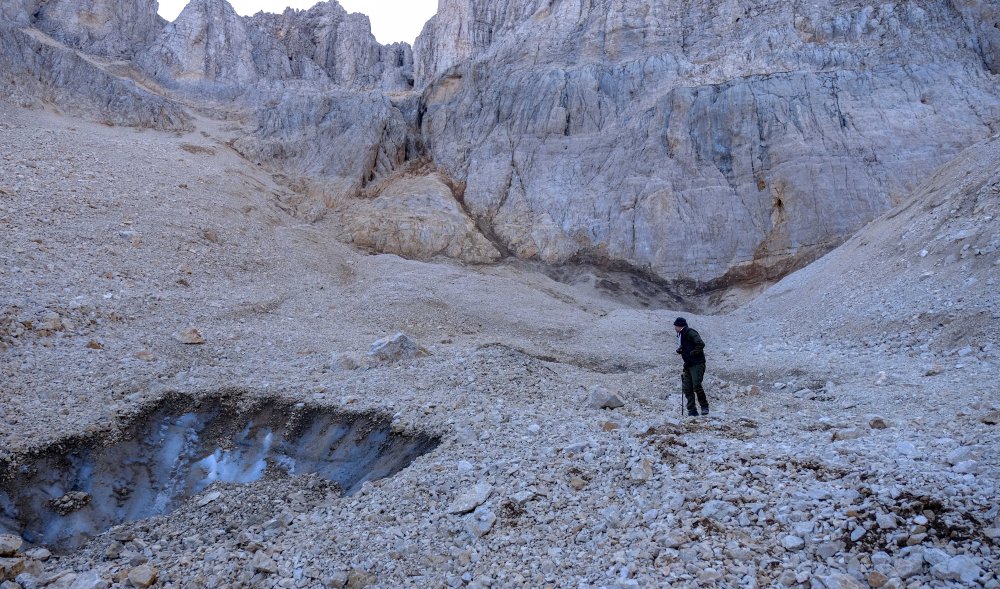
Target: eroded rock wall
x=706, y=142
x=214, y=52
x=343, y=141
x=38, y=72
x=983, y=22
x=327, y=43
x=113, y=28
x=206, y=49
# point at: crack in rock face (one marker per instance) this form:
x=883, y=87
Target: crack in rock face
x=63, y=495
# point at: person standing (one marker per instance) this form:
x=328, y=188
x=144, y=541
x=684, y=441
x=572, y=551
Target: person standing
x=692, y=349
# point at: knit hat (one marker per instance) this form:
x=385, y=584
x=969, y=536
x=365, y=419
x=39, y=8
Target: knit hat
x=680, y=322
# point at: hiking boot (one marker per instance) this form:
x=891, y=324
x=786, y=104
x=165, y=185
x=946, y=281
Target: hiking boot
x=704, y=410
x=692, y=414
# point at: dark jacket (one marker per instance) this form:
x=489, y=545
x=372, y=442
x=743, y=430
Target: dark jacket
x=692, y=347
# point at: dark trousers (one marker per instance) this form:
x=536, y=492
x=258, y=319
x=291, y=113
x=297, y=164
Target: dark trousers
x=691, y=382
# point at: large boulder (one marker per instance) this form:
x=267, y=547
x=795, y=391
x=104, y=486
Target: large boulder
x=416, y=217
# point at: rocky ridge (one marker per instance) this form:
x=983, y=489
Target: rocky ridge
x=39, y=72
x=117, y=29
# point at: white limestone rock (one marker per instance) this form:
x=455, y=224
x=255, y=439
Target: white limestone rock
x=908, y=449
x=966, y=467
x=471, y=498
x=263, y=563
x=143, y=576
x=717, y=509
x=908, y=567
x=10, y=544
x=886, y=521
x=600, y=397
x=641, y=470
x=852, y=433
x=962, y=568
x=414, y=217
x=961, y=454
x=396, y=347
x=480, y=522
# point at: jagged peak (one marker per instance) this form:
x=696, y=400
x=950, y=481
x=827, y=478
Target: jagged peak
x=208, y=7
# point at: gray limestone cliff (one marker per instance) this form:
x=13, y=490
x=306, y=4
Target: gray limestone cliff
x=707, y=143
x=325, y=42
x=38, y=72
x=704, y=144
x=111, y=28
x=206, y=49
x=343, y=141
x=212, y=51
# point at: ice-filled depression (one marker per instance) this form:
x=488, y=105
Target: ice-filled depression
x=64, y=495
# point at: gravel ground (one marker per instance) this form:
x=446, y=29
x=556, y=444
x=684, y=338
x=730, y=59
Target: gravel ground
x=853, y=439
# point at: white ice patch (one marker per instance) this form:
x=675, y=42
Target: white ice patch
x=244, y=464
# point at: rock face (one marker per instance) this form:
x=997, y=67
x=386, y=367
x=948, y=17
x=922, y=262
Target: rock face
x=35, y=71
x=415, y=217
x=207, y=48
x=213, y=51
x=327, y=43
x=111, y=28
x=343, y=141
x=982, y=19
x=711, y=142
x=704, y=144
x=947, y=234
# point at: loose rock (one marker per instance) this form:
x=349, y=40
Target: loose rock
x=10, y=544
x=142, y=576
x=397, y=347
x=601, y=398
x=471, y=499
x=189, y=336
